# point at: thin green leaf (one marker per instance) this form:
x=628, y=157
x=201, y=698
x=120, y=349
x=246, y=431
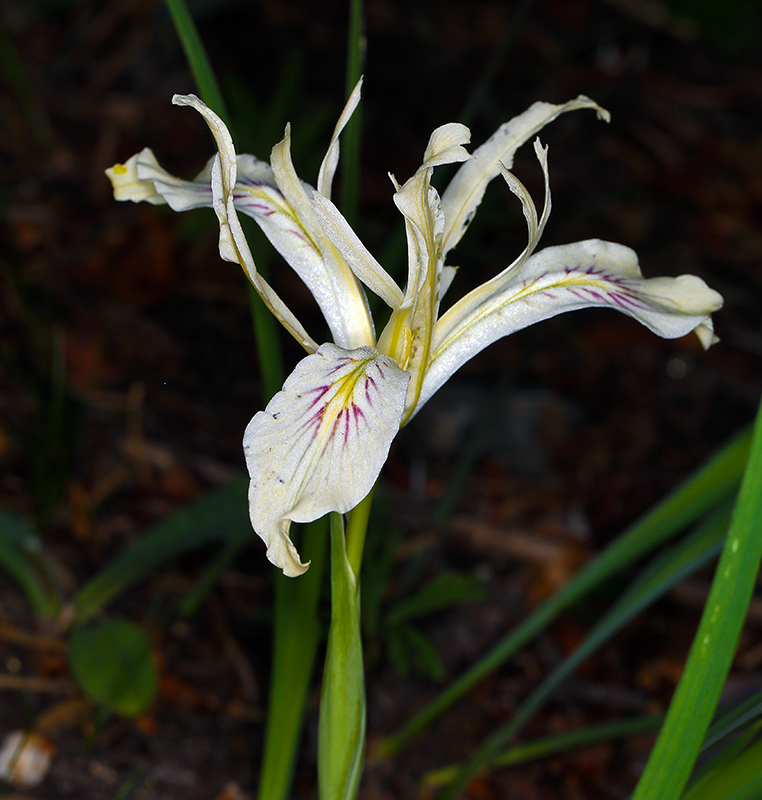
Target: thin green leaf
x=713, y=482
x=297, y=632
x=550, y=745
x=220, y=516
x=711, y=655
x=198, y=61
x=196, y=596
x=21, y=557
x=350, y=175
x=663, y=574
x=445, y=590
x=341, y=731
x=736, y=778
x=720, y=760
x=733, y=720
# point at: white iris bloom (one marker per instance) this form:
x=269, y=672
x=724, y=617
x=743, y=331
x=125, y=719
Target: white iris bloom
x=321, y=442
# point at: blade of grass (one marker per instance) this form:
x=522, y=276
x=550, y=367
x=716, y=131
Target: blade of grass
x=198, y=61
x=551, y=745
x=196, y=596
x=711, y=655
x=20, y=557
x=735, y=773
x=733, y=720
x=710, y=484
x=660, y=576
x=350, y=172
x=220, y=515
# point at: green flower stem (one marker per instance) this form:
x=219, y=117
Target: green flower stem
x=297, y=633
x=341, y=732
x=357, y=527
x=195, y=53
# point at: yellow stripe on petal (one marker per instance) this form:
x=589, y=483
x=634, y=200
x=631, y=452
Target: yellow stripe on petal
x=321, y=442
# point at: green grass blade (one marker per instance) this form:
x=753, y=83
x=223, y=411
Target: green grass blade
x=220, y=516
x=350, y=174
x=663, y=574
x=733, y=720
x=711, y=655
x=196, y=596
x=713, y=482
x=298, y=633
x=551, y=745
x=21, y=558
x=198, y=61
x=739, y=776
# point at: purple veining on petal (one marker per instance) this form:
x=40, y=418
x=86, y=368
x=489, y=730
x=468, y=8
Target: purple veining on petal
x=576, y=293
x=597, y=295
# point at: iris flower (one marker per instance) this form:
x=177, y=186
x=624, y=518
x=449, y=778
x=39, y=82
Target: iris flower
x=321, y=442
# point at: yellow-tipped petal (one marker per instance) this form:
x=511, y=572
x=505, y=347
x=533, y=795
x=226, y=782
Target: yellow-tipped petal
x=127, y=185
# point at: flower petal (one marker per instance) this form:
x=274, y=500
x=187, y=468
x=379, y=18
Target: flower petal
x=465, y=191
x=232, y=243
x=331, y=160
x=357, y=256
x=321, y=442
x=341, y=298
x=127, y=183
x=565, y=278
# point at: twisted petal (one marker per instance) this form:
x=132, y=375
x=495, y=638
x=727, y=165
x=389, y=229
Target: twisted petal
x=331, y=159
x=333, y=284
x=565, y=278
x=465, y=191
x=232, y=242
x=321, y=442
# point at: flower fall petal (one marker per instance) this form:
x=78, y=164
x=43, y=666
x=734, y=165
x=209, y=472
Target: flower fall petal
x=321, y=442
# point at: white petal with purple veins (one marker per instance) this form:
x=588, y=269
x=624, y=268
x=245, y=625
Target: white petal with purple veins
x=565, y=278
x=466, y=190
x=321, y=442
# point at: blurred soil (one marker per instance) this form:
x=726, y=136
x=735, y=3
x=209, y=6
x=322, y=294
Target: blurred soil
x=129, y=370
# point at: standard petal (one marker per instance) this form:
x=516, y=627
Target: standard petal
x=357, y=256
x=321, y=442
x=331, y=160
x=465, y=191
x=340, y=296
x=565, y=278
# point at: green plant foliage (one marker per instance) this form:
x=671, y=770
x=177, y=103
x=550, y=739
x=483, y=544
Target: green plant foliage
x=666, y=570
x=738, y=777
x=113, y=665
x=22, y=558
x=714, y=645
x=219, y=516
x=734, y=26
x=341, y=731
x=711, y=485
